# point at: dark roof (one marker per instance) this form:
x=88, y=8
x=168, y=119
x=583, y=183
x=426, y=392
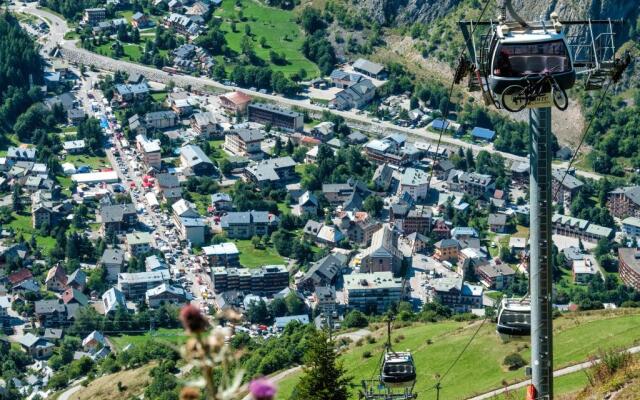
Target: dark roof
x=112, y=256
x=167, y=180
x=116, y=213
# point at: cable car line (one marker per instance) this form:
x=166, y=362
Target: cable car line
x=619, y=67
x=438, y=384
x=456, y=79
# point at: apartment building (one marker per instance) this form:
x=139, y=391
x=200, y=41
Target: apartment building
x=629, y=266
x=374, y=292
x=150, y=150
x=624, y=202
x=135, y=285
x=245, y=142
x=264, y=281
x=139, y=243
x=245, y=224
x=223, y=254
x=267, y=114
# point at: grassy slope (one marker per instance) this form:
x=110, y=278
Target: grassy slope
x=134, y=382
x=480, y=368
x=273, y=24
x=171, y=336
x=253, y=258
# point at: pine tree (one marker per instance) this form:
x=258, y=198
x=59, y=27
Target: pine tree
x=324, y=376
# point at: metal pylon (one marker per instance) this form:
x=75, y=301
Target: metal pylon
x=540, y=264
x=373, y=389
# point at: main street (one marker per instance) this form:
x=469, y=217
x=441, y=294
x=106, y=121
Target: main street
x=74, y=54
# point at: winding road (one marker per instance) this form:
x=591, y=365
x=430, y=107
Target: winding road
x=74, y=54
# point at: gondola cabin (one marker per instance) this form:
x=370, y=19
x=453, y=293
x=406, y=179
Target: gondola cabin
x=519, y=54
x=514, y=317
x=398, y=369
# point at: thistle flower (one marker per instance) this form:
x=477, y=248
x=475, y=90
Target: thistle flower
x=192, y=319
x=262, y=389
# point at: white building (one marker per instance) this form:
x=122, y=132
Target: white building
x=414, y=182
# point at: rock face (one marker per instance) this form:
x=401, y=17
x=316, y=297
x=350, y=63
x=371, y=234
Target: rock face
x=391, y=12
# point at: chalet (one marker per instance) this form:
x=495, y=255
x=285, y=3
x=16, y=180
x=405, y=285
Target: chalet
x=94, y=341
x=36, y=346
x=496, y=276
x=358, y=227
x=126, y=93
x=15, y=154
x=113, y=299
x=564, y=185
x=323, y=131
x=477, y=185
x=118, y=217
x=235, y=102
x=168, y=187
x=221, y=202
x=624, y=202
x=456, y=294
x=56, y=279
x=274, y=171
x=140, y=20
x=307, y=204
x=160, y=120
x=137, y=125
x=112, y=260
x=343, y=80
x=355, y=96
x=205, y=124
x=245, y=142
x=446, y=250
x=182, y=24
x=497, y=223
x=323, y=272
x=483, y=134
x=75, y=116
x=166, y=294
x=77, y=280
x=196, y=161
x=74, y=296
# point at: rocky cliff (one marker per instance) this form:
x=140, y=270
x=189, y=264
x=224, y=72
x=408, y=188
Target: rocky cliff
x=392, y=12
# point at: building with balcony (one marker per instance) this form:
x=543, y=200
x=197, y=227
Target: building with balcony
x=276, y=117
x=374, y=292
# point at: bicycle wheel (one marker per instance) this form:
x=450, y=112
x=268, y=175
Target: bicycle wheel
x=560, y=99
x=514, y=99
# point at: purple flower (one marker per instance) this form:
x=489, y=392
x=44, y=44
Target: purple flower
x=262, y=389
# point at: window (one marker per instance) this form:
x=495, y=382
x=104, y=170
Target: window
x=522, y=59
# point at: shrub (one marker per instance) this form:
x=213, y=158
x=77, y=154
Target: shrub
x=371, y=339
x=366, y=354
x=355, y=319
x=514, y=361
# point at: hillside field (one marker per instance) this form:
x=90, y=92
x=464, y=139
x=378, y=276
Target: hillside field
x=480, y=369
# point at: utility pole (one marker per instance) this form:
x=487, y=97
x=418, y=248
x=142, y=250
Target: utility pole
x=540, y=262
